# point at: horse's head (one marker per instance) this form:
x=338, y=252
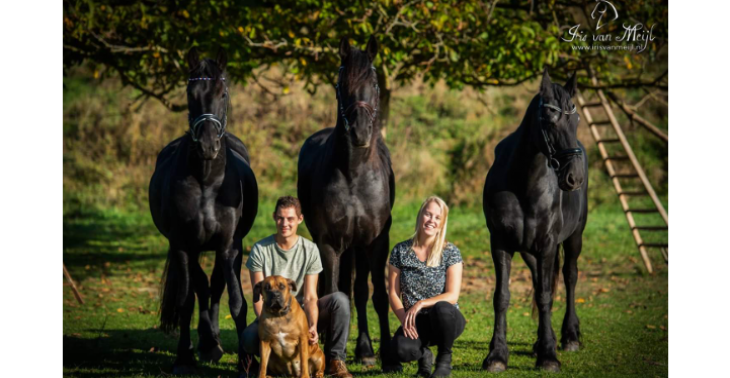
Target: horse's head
x=556, y=131
x=207, y=103
x=358, y=93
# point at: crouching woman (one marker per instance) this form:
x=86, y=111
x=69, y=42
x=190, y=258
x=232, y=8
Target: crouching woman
x=424, y=280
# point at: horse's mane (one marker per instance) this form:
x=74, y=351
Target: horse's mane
x=207, y=68
x=562, y=97
x=359, y=69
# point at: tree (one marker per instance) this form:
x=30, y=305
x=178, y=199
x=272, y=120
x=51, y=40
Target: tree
x=465, y=43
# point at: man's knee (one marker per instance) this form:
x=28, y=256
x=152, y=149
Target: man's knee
x=340, y=304
x=250, y=339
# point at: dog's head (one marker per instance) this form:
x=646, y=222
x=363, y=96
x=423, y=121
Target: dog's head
x=276, y=291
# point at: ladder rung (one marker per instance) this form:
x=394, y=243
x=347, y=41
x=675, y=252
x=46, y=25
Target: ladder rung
x=600, y=123
x=618, y=157
x=589, y=104
x=652, y=228
x=625, y=175
x=609, y=140
x=655, y=245
x=633, y=193
x=642, y=211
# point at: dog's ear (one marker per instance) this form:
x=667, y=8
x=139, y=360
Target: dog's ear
x=257, y=292
x=292, y=285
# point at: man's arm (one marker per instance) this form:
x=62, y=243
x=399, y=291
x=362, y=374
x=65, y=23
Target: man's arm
x=257, y=277
x=310, y=305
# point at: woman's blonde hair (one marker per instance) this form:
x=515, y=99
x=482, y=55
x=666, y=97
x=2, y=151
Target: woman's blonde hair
x=434, y=255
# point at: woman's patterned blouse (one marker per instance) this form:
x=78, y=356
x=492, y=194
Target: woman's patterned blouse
x=417, y=280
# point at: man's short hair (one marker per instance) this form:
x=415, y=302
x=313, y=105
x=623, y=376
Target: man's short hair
x=286, y=202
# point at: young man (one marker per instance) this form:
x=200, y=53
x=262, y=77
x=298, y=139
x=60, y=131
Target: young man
x=296, y=258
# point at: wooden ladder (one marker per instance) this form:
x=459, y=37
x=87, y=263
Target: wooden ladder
x=632, y=171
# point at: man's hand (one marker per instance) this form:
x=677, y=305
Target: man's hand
x=313, y=335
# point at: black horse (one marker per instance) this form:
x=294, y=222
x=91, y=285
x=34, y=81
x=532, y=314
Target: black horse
x=347, y=189
x=203, y=196
x=535, y=198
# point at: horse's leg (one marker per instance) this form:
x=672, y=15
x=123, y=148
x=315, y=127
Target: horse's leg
x=363, y=347
x=331, y=265
x=185, y=361
x=498, y=356
x=547, y=358
x=232, y=257
x=208, y=347
x=531, y=263
x=570, y=332
x=378, y=258
x=217, y=285
x=347, y=272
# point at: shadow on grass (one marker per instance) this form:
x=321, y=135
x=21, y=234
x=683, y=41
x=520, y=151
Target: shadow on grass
x=93, y=239
x=132, y=352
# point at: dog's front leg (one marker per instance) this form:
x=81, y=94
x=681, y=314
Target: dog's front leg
x=304, y=354
x=265, y=349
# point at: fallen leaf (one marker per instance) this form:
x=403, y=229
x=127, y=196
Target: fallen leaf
x=525, y=314
x=152, y=350
x=228, y=316
x=580, y=300
x=120, y=310
x=650, y=326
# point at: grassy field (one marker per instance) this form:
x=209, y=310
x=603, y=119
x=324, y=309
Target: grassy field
x=441, y=142
x=117, y=259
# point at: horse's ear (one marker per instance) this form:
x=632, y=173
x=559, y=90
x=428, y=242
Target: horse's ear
x=193, y=59
x=546, y=87
x=257, y=292
x=571, y=86
x=222, y=59
x=372, y=48
x=344, y=49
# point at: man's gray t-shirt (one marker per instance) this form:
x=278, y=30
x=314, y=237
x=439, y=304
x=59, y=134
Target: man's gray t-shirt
x=302, y=259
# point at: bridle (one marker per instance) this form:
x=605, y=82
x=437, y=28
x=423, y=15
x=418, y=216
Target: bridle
x=554, y=156
x=196, y=122
x=371, y=110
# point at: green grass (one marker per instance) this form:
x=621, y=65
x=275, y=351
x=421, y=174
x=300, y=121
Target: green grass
x=117, y=259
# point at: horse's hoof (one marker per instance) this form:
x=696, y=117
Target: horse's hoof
x=571, y=346
x=213, y=355
x=550, y=366
x=184, y=370
x=366, y=360
x=392, y=368
x=494, y=366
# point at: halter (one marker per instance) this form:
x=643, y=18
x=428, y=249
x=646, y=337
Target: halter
x=220, y=125
x=553, y=155
x=372, y=110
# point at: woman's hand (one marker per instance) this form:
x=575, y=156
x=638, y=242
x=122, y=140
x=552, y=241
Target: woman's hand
x=409, y=323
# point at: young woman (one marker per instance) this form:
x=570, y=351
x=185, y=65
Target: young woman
x=424, y=282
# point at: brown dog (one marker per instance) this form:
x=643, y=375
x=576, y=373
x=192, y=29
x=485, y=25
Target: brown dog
x=284, y=332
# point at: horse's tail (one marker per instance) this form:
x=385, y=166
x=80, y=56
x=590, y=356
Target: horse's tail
x=169, y=291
